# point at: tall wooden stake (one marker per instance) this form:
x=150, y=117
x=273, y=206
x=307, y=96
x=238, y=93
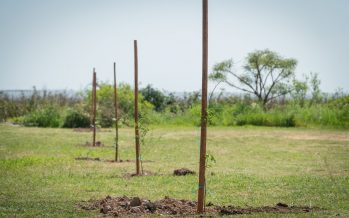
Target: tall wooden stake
x=202, y=168
x=94, y=97
x=136, y=108
x=116, y=117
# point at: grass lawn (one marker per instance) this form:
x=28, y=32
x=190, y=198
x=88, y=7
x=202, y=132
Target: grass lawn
x=255, y=166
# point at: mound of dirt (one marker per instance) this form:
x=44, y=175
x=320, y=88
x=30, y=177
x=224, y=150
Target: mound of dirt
x=119, y=206
x=135, y=206
x=183, y=172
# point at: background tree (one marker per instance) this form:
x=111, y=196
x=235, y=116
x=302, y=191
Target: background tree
x=266, y=75
x=316, y=96
x=299, y=93
x=105, y=106
x=154, y=96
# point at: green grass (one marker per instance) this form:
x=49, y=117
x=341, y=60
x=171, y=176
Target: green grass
x=255, y=166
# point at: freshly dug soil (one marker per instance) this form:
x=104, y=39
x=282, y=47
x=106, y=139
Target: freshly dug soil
x=278, y=208
x=183, y=172
x=135, y=206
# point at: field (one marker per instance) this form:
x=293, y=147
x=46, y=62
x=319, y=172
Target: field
x=254, y=166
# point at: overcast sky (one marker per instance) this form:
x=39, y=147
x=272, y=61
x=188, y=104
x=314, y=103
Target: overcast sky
x=55, y=44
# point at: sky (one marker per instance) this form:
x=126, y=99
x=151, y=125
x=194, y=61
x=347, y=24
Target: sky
x=56, y=44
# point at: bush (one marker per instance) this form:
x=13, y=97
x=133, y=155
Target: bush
x=76, y=119
x=323, y=115
x=46, y=117
x=273, y=118
x=340, y=103
x=195, y=114
x=215, y=113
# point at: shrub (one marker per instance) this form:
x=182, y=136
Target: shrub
x=195, y=114
x=273, y=118
x=215, y=113
x=76, y=119
x=340, y=103
x=45, y=117
x=322, y=115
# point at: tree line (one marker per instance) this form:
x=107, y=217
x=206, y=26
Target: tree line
x=270, y=95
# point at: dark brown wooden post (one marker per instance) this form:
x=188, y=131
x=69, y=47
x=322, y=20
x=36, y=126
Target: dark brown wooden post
x=202, y=167
x=136, y=108
x=94, y=97
x=116, y=117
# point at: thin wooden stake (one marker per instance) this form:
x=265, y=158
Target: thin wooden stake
x=136, y=108
x=94, y=107
x=116, y=117
x=202, y=168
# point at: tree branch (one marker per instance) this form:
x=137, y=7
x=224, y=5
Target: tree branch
x=272, y=85
x=260, y=79
x=242, y=81
x=281, y=94
x=266, y=78
x=211, y=95
x=242, y=89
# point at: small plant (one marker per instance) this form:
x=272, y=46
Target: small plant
x=144, y=130
x=210, y=160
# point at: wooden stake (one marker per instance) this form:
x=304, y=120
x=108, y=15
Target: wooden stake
x=202, y=167
x=136, y=108
x=116, y=117
x=94, y=107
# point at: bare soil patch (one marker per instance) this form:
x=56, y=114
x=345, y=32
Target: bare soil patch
x=135, y=206
x=183, y=172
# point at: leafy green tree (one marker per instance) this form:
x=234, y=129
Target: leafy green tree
x=154, y=96
x=299, y=93
x=266, y=75
x=105, y=104
x=316, y=96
